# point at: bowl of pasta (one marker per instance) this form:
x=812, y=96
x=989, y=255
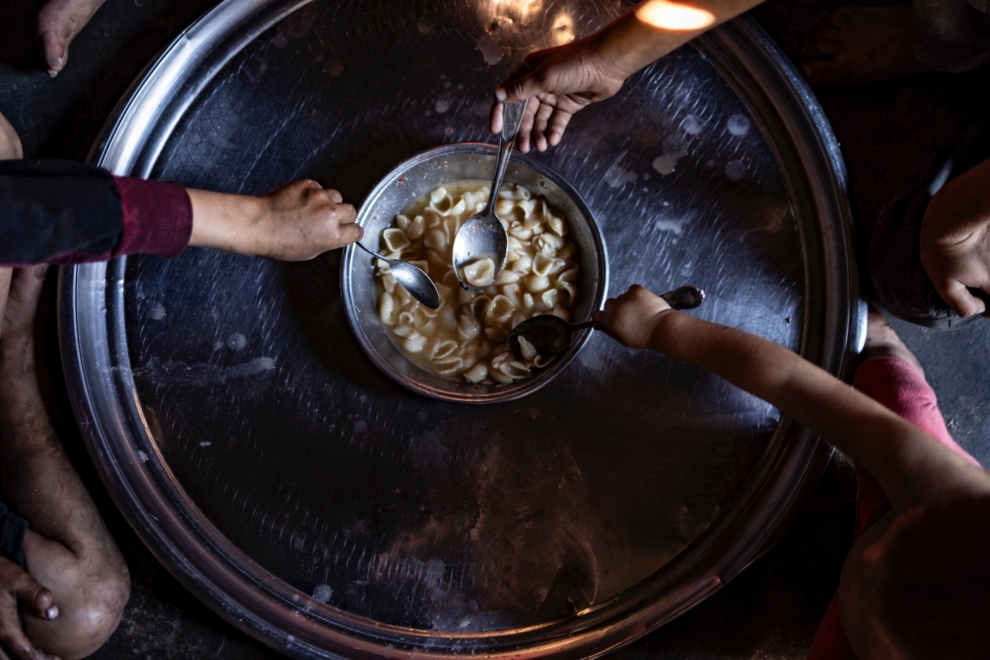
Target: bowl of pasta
x=557, y=264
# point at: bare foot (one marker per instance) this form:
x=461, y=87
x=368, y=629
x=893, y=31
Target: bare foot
x=10, y=143
x=59, y=21
x=859, y=45
x=882, y=341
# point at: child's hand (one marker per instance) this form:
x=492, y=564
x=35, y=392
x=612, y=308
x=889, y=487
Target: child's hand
x=632, y=318
x=305, y=220
x=562, y=81
x=17, y=587
x=294, y=222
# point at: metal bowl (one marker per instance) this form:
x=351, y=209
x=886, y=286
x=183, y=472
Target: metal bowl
x=413, y=178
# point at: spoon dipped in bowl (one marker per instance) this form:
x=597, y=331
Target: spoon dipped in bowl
x=481, y=244
x=411, y=278
x=548, y=336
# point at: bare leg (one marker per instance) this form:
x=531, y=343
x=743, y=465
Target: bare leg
x=10, y=149
x=68, y=548
x=859, y=45
x=59, y=21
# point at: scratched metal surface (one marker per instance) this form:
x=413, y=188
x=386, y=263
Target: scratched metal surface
x=237, y=421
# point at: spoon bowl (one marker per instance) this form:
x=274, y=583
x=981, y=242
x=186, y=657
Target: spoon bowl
x=548, y=336
x=411, y=278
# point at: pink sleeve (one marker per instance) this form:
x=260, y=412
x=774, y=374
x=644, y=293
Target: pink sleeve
x=901, y=387
x=157, y=217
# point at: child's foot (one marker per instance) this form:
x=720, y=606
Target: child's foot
x=858, y=45
x=10, y=143
x=882, y=341
x=59, y=21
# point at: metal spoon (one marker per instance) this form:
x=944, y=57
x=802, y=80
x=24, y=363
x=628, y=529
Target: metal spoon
x=483, y=236
x=551, y=335
x=413, y=279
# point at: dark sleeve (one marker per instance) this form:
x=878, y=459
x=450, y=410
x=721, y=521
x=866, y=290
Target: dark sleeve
x=63, y=212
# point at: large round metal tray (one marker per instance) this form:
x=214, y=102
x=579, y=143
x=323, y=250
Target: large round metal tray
x=271, y=467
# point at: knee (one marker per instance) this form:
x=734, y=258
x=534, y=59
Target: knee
x=91, y=605
x=10, y=143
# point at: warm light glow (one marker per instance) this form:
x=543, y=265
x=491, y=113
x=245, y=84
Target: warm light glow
x=563, y=29
x=674, y=16
x=520, y=10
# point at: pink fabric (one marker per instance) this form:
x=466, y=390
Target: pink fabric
x=157, y=217
x=901, y=387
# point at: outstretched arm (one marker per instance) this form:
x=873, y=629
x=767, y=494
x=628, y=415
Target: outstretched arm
x=565, y=79
x=910, y=465
x=295, y=222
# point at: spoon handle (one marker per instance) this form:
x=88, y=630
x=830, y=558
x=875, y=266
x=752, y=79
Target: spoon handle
x=374, y=254
x=512, y=114
x=504, y=150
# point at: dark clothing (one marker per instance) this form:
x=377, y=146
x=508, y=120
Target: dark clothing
x=952, y=35
x=61, y=212
x=12, y=529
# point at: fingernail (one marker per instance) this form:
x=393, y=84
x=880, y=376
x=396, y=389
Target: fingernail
x=500, y=94
x=52, y=612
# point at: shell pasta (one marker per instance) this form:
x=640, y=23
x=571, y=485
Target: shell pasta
x=465, y=337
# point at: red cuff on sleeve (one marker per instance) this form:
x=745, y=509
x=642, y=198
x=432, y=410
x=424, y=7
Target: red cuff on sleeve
x=157, y=217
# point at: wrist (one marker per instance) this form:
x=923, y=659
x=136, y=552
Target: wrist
x=616, y=53
x=663, y=323
x=224, y=221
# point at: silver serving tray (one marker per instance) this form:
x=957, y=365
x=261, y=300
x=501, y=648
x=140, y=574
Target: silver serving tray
x=329, y=513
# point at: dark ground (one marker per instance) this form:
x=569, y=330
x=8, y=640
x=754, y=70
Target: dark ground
x=890, y=133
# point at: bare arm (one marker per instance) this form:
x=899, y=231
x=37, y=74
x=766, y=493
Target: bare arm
x=910, y=465
x=654, y=28
x=567, y=78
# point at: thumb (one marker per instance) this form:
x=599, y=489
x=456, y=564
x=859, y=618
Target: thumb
x=35, y=597
x=522, y=88
x=964, y=303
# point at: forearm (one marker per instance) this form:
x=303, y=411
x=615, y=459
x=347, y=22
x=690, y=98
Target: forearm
x=909, y=464
x=224, y=221
x=650, y=30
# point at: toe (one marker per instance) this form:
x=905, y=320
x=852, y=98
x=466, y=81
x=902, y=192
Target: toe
x=56, y=50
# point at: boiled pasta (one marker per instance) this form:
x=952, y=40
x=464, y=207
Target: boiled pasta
x=464, y=339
